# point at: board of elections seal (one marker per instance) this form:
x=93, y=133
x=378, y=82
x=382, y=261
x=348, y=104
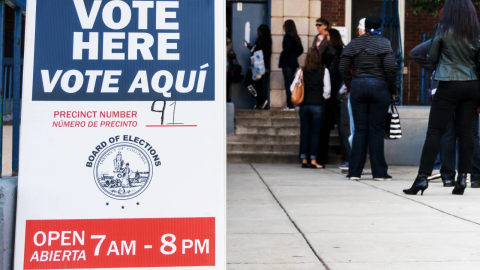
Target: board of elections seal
x=123, y=171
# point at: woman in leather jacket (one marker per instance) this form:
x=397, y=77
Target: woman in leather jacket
x=455, y=48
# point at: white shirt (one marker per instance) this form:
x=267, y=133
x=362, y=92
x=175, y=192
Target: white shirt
x=327, y=86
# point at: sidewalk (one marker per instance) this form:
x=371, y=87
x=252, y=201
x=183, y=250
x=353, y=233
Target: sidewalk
x=284, y=217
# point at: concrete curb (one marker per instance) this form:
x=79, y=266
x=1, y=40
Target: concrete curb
x=8, y=205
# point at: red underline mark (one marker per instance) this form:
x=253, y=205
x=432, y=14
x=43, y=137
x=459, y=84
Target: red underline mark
x=171, y=125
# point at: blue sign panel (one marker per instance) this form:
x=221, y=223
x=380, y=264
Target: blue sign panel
x=90, y=50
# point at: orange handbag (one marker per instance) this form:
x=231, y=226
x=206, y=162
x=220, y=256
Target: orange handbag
x=298, y=91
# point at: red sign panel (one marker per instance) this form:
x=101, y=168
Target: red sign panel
x=118, y=243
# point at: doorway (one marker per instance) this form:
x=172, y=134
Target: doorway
x=243, y=19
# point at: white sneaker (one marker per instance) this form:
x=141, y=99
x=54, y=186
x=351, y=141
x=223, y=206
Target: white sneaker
x=265, y=104
x=286, y=109
x=292, y=109
x=389, y=178
x=382, y=179
x=435, y=175
x=353, y=178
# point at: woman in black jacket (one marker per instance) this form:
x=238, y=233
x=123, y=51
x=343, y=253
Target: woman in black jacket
x=264, y=44
x=456, y=49
x=292, y=49
x=372, y=87
x=316, y=80
x=331, y=60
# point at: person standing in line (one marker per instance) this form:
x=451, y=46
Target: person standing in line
x=264, y=44
x=372, y=88
x=288, y=62
x=331, y=60
x=361, y=32
x=321, y=39
x=230, y=56
x=317, y=89
x=455, y=49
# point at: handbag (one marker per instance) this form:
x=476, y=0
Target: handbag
x=257, y=65
x=236, y=73
x=393, y=130
x=298, y=92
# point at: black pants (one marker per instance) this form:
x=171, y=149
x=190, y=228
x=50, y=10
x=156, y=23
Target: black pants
x=448, y=151
x=327, y=126
x=370, y=99
x=260, y=86
x=454, y=97
x=343, y=124
x=288, y=76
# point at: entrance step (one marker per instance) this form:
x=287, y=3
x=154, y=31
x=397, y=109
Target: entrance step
x=270, y=137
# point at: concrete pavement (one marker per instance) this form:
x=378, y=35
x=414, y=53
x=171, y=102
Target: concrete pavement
x=284, y=217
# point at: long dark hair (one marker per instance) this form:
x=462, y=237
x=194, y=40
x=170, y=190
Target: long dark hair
x=459, y=20
x=335, y=38
x=313, y=59
x=290, y=28
x=266, y=33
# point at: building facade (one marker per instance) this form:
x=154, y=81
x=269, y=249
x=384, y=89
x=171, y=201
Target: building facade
x=344, y=13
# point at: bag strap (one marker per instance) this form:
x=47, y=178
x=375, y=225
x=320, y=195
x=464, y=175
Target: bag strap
x=393, y=107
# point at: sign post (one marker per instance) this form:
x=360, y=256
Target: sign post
x=122, y=154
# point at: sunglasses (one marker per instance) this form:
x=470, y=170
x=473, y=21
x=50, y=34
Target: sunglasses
x=319, y=24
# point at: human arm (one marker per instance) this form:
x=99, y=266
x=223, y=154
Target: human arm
x=346, y=63
x=327, y=86
x=419, y=54
x=435, y=50
x=390, y=68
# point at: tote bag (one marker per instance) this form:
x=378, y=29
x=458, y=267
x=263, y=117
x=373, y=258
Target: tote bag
x=393, y=130
x=298, y=92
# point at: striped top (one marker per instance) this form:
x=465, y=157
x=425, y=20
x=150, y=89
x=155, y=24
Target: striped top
x=369, y=56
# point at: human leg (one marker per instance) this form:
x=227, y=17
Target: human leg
x=288, y=76
x=465, y=114
x=448, y=154
x=260, y=87
x=304, y=131
x=377, y=114
x=316, y=126
x=360, y=108
x=352, y=125
x=443, y=107
x=475, y=177
x=324, y=139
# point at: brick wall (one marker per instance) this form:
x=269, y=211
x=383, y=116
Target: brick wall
x=415, y=27
x=334, y=11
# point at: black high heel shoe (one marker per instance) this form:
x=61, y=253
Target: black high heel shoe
x=460, y=185
x=420, y=184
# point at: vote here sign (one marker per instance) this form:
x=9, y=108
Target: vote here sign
x=122, y=148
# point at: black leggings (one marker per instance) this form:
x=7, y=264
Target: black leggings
x=461, y=98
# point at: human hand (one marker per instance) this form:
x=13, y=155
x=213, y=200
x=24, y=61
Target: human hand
x=393, y=97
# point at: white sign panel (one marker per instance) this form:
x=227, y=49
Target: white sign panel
x=122, y=154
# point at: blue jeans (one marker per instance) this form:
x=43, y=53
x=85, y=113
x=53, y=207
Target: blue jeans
x=370, y=99
x=352, y=125
x=311, y=117
x=288, y=76
x=438, y=162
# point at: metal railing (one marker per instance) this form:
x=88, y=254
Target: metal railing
x=8, y=89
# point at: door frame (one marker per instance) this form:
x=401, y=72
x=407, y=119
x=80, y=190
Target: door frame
x=401, y=11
